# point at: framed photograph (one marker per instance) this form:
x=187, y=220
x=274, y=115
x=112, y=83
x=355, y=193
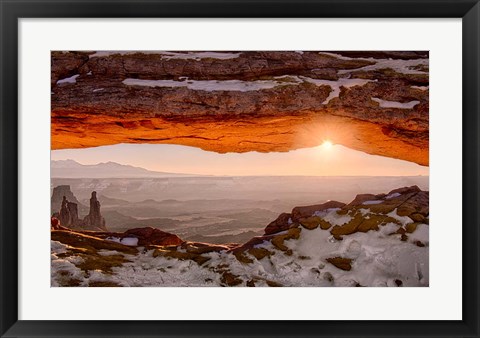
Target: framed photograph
x=239, y=169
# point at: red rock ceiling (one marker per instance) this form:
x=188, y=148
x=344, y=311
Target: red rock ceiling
x=302, y=110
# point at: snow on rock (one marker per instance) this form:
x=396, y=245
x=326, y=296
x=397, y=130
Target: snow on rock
x=209, y=85
x=245, y=86
x=372, y=202
x=71, y=79
x=394, y=104
x=336, y=85
x=398, y=65
x=58, y=247
x=200, y=55
x=420, y=234
x=389, y=229
x=172, y=55
x=335, y=219
x=323, y=213
x=394, y=195
x=387, y=250
x=422, y=88
x=107, y=53
x=113, y=239
x=377, y=259
x=130, y=241
x=108, y=252
x=364, y=211
x=63, y=269
x=404, y=220
x=147, y=270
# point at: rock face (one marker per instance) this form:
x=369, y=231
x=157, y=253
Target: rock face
x=153, y=236
x=94, y=218
x=247, y=101
x=146, y=236
x=345, y=219
x=59, y=192
x=67, y=213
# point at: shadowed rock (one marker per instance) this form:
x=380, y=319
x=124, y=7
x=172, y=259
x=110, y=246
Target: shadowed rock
x=94, y=218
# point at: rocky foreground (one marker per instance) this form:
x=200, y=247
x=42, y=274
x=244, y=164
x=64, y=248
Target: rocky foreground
x=376, y=102
x=375, y=240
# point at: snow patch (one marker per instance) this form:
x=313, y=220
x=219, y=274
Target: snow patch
x=108, y=252
x=395, y=194
x=58, y=248
x=335, y=219
x=372, y=202
x=71, y=79
x=423, y=88
x=199, y=55
x=402, y=219
x=336, y=85
x=388, y=228
x=63, y=267
x=172, y=55
x=364, y=211
x=398, y=65
x=325, y=212
x=210, y=85
x=98, y=90
x=130, y=241
x=244, y=86
x=420, y=234
x=394, y=104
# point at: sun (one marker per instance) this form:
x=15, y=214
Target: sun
x=327, y=144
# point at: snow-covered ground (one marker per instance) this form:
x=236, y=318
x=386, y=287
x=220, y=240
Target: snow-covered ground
x=378, y=258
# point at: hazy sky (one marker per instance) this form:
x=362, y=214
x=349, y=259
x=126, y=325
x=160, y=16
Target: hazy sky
x=324, y=160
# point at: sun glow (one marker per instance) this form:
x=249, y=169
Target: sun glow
x=327, y=144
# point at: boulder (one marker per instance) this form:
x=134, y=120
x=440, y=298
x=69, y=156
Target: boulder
x=283, y=222
x=308, y=211
x=341, y=263
x=153, y=236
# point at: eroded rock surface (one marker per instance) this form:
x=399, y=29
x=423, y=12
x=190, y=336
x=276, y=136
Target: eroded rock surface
x=244, y=101
x=57, y=198
x=94, y=219
x=67, y=214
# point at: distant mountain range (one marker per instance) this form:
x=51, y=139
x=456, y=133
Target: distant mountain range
x=73, y=169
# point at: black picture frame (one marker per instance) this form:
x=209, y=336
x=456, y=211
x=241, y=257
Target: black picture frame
x=11, y=11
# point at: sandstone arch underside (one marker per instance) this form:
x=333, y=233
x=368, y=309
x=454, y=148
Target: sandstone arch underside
x=375, y=102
